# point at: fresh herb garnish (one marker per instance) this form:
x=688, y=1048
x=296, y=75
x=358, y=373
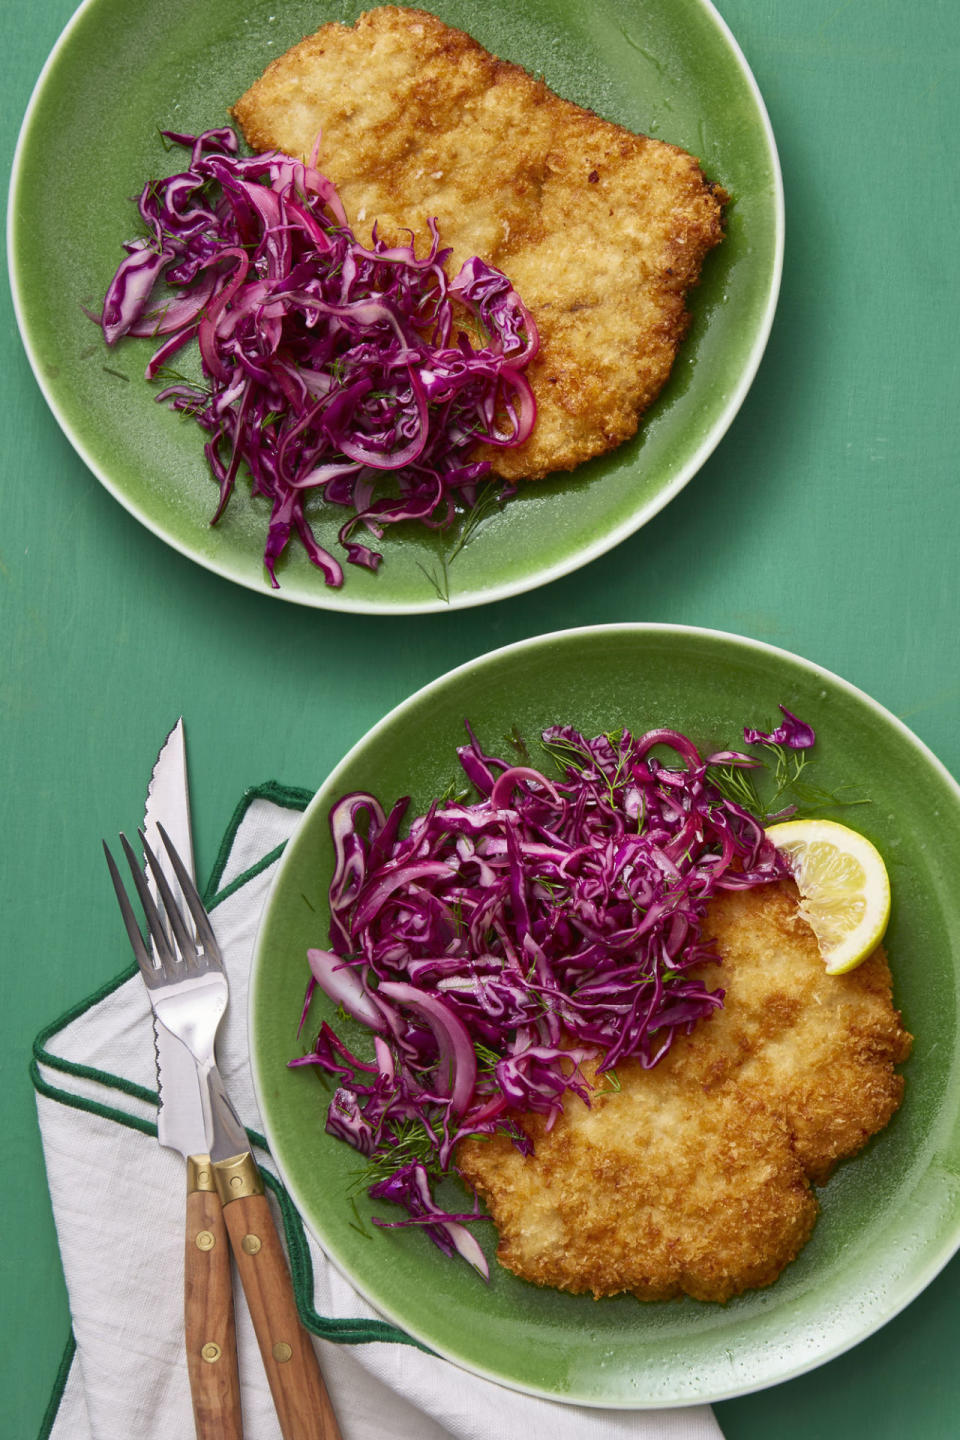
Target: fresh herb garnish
x=779, y=776
x=491, y=497
x=517, y=743
x=412, y=1141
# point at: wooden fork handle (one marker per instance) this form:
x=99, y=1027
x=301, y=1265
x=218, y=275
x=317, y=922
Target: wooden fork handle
x=302, y=1403
x=208, y=1310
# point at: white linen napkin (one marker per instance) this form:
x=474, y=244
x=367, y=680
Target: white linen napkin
x=118, y=1201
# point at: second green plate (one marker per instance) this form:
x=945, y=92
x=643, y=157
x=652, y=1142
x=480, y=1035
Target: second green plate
x=890, y=1217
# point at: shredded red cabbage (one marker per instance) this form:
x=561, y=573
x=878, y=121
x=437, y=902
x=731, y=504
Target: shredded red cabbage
x=793, y=733
x=327, y=364
x=410, y=1187
x=498, y=946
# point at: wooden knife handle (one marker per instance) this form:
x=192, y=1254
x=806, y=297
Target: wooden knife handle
x=299, y=1394
x=208, y=1313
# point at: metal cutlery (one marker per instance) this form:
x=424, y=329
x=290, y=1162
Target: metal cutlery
x=184, y=975
x=210, y=1331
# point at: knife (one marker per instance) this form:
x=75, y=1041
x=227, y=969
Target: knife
x=208, y=1296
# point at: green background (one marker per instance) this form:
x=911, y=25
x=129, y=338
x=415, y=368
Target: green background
x=826, y=522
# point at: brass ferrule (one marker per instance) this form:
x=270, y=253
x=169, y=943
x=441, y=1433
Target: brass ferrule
x=237, y=1177
x=199, y=1173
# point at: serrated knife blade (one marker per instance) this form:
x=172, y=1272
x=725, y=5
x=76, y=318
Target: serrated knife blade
x=180, y=1119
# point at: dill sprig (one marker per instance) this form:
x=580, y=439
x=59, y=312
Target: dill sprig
x=439, y=580
x=176, y=377
x=488, y=500
x=357, y=1223
x=566, y=754
x=737, y=785
x=783, y=786
x=455, y=794
x=517, y=743
x=814, y=798
x=410, y=1142
x=487, y=1059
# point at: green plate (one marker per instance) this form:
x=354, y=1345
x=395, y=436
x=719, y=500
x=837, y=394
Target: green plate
x=891, y=1216
x=123, y=70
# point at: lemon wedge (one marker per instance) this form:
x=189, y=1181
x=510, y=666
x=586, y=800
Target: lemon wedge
x=844, y=888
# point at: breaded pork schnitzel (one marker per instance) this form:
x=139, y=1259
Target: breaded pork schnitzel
x=695, y=1177
x=601, y=231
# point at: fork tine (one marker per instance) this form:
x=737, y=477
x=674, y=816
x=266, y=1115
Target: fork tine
x=155, y=925
x=143, y=957
x=184, y=939
x=192, y=897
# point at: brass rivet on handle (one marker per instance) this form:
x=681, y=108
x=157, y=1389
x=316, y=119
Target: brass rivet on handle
x=282, y=1351
x=199, y=1174
x=236, y=1177
x=205, y=1240
x=251, y=1244
x=211, y=1352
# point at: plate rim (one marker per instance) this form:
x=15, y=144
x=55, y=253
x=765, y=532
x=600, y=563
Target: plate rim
x=804, y=1365
x=326, y=599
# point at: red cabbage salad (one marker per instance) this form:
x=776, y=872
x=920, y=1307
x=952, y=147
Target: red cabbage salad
x=495, y=947
x=328, y=366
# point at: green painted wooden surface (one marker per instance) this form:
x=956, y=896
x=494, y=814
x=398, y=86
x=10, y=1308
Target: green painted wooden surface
x=826, y=522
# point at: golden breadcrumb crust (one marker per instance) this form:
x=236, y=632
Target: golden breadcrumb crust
x=601, y=231
x=695, y=1177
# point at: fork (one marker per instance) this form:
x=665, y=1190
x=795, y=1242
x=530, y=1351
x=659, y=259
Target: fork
x=188, y=990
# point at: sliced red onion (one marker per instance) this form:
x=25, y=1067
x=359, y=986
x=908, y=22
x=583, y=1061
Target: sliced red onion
x=345, y=987
x=457, y=1069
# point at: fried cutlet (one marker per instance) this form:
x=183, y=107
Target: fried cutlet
x=821, y=1047
x=601, y=231
x=695, y=1177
